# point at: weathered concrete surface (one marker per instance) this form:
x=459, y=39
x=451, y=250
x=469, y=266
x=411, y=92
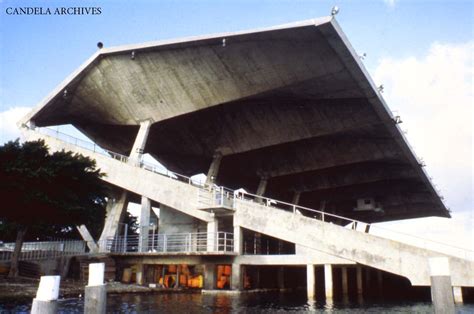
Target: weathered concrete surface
x=388, y=255
x=172, y=193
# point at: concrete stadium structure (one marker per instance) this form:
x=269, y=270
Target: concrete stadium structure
x=289, y=121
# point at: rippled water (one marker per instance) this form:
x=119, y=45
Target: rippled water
x=223, y=303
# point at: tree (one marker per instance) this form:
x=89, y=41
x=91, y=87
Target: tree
x=48, y=192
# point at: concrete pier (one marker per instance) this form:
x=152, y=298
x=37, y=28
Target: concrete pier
x=46, y=296
x=457, y=293
x=209, y=276
x=360, y=290
x=441, y=288
x=281, y=277
x=328, y=284
x=310, y=282
x=95, y=294
x=144, y=224
x=345, y=284
x=237, y=279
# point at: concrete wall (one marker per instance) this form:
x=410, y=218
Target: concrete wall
x=173, y=221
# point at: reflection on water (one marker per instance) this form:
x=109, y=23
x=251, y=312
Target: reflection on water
x=230, y=303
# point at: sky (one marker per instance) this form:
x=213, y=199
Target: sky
x=421, y=51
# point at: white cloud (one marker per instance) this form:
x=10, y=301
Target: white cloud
x=434, y=96
x=390, y=3
x=8, y=119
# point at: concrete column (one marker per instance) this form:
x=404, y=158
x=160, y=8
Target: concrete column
x=345, y=284
x=237, y=279
x=380, y=282
x=310, y=282
x=209, y=276
x=262, y=186
x=46, y=301
x=238, y=240
x=328, y=281
x=95, y=294
x=140, y=141
x=281, y=277
x=441, y=289
x=296, y=198
x=116, y=208
x=212, y=228
x=457, y=293
x=360, y=290
x=86, y=236
x=144, y=224
x=214, y=168
x=140, y=275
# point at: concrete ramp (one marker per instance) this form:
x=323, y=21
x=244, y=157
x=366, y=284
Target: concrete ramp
x=363, y=248
x=178, y=195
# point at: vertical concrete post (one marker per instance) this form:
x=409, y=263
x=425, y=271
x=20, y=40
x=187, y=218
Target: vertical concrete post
x=95, y=294
x=310, y=282
x=115, y=211
x=360, y=290
x=262, y=186
x=212, y=236
x=140, y=275
x=457, y=293
x=209, y=276
x=140, y=141
x=296, y=198
x=345, y=284
x=281, y=278
x=441, y=289
x=144, y=224
x=380, y=282
x=46, y=301
x=328, y=281
x=237, y=279
x=214, y=168
x=238, y=240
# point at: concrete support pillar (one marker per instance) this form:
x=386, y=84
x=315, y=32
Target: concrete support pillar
x=441, y=289
x=209, y=276
x=144, y=224
x=86, y=236
x=46, y=301
x=95, y=294
x=262, y=186
x=140, y=275
x=237, y=278
x=140, y=141
x=296, y=198
x=281, y=277
x=345, y=283
x=380, y=282
x=457, y=293
x=238, y=240
x=212, y=228
x=116, y=208
x=310, y=282
x=214, y=169
x=328, y=281
x=360, y=290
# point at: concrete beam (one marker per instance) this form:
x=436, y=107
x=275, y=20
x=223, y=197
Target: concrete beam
x=86, y=236
x=138, y=147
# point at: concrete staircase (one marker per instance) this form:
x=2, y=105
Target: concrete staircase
x=355, y=246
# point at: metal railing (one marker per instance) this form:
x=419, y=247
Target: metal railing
x=214, y=196
x=43, y=250
x=197, y=242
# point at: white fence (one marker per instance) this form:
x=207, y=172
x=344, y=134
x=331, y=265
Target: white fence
x=43, y=250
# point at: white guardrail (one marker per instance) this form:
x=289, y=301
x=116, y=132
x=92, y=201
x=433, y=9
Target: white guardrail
x=43, y=249
x=215, y=196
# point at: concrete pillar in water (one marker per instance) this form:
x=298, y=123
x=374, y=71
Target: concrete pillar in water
x=328, y=281
x=144, y=224
x=209, y=276
x=212, y=238
x=140, y=141
x=281, y=277
x=95, y=295
x=214, y=168
x=310, y=282
x=237, y=279
x=46, y=301
x=441, y=289
x=262, y=186
x=345, y=284
x=457, y=293
x=360, y=290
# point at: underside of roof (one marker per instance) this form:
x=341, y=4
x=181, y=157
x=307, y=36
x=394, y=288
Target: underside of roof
x=292, y=104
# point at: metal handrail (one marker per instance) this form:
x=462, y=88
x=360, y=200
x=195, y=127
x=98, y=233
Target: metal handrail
x=150, y=167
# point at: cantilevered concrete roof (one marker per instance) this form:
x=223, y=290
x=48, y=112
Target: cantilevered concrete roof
x=292, y=103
